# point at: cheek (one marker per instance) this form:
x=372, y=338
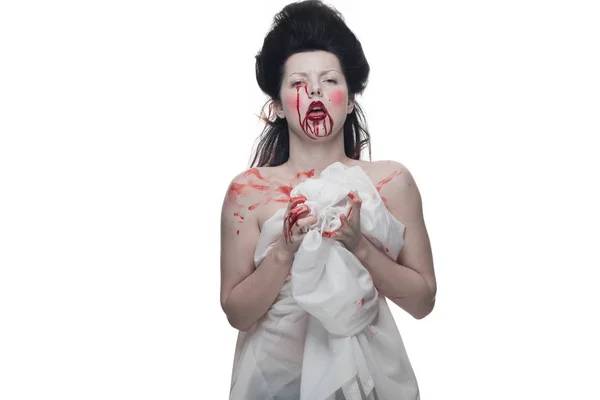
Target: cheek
x=338, y=98
x=291, y=101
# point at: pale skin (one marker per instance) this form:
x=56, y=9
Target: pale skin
x=247, y=292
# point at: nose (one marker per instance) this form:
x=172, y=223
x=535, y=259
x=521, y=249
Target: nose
x=315, y=89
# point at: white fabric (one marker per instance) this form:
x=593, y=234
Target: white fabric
x=328, y=331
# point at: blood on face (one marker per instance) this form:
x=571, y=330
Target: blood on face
x=313, y=128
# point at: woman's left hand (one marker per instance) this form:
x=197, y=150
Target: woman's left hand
x=349, y=234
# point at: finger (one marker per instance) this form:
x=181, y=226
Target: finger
x=355, y=198
x=354, y=207
x=303, y=224
x=292, y=219
x=306, y=220
x=330, y=234
x=297, y=212
x=292, y=215
x=294, y=201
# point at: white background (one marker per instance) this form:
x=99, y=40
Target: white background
x=123, y=122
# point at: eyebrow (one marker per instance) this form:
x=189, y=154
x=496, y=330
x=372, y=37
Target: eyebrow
x=322, y=72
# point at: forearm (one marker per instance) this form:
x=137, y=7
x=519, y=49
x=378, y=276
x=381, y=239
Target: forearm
x=253, y=297
x=402, y=285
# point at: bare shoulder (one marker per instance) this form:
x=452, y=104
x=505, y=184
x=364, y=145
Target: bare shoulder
x=393, y=180
x=239, y=230
x=403, y=200
x=398, y=176
x=254, y=194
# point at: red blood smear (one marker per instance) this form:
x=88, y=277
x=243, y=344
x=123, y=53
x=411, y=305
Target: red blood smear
x=238, y=232
x=362, y=301
x=298, y=104
x=295, y=211
x=238, y=189
x=237, y=214
x=386, y=249
x=253, y=206
x=235, y=190
x=308, y=174
x=305, y=124
x=387, y=180
x=255, y=172
x=285, y=190
x=316, y=125
x=262, y=188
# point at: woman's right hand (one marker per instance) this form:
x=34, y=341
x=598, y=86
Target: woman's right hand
x=295, y=224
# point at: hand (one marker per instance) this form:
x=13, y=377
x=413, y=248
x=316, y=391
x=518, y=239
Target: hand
x=295, y=224
x=349, y=234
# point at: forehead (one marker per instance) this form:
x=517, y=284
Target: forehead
x=311, y=61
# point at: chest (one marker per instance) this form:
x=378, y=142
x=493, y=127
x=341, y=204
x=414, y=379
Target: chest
x=269, y=202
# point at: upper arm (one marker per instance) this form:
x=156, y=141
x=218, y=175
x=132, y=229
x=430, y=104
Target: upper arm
x=404, y=202
x=239, y=235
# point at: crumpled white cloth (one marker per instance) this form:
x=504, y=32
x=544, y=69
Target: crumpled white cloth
x=328, y=331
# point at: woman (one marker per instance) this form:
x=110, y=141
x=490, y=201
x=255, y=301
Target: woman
x=312, y=67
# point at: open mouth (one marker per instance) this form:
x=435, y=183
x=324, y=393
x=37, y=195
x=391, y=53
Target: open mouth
x=316, y=111
x=317, y=122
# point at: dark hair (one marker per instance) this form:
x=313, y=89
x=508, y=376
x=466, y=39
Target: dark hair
x=308, y=26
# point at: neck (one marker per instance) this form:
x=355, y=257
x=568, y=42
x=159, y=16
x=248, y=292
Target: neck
x=307, y=154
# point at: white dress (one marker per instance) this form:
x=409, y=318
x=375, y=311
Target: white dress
x=328, y=335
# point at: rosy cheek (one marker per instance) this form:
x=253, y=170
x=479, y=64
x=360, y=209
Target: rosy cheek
x=291, y=101
x=338, y=98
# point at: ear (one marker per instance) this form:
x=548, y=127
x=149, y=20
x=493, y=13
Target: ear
x=278, y=109
x=350, y=106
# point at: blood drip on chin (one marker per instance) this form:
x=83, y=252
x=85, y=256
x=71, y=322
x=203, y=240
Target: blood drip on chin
x=305, y=125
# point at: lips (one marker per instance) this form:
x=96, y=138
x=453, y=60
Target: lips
x=317, y=122
x=316, y=111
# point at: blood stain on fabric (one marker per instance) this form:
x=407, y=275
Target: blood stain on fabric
x=360, y=302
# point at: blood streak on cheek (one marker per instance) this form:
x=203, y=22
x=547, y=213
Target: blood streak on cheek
x=253, y=206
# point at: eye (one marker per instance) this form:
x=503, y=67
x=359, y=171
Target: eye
x=331, y=81
x=296, y=83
